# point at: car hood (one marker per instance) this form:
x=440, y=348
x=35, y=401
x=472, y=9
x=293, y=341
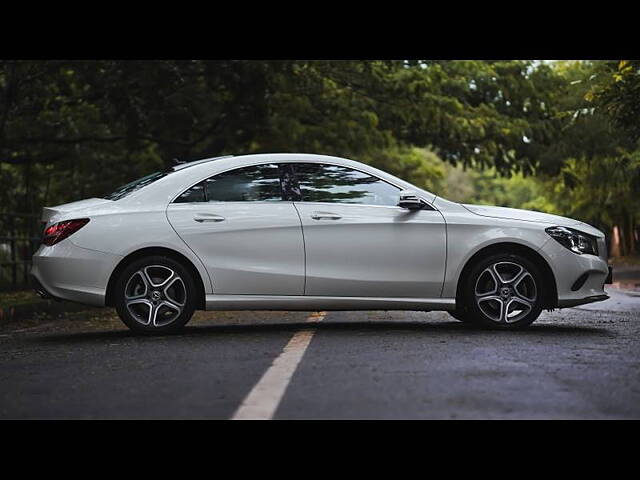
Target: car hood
x=531, y=216
x=517, y=214
x=50, y=212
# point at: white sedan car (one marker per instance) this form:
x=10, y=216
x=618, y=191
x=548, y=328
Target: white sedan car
x=310, y=232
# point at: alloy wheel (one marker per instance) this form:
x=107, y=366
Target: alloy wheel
x=505, y=292
x=155, y=295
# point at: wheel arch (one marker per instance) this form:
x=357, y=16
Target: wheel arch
x=550, y=289
x=149, y=251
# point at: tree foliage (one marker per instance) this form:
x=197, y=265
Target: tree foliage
x=97, y=124
x=74, y=129
x=616, y=91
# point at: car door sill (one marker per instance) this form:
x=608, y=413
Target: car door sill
x=303, y=302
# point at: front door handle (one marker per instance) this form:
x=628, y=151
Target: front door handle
x=325, y=216
x=207, y=217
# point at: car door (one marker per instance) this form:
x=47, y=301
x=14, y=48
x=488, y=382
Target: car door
x=359, y=243
x=246, y=235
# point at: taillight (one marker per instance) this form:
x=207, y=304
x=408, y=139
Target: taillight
x=61, y=230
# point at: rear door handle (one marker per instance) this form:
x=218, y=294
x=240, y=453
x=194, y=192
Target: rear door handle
x=207, y=217
x=325, y=216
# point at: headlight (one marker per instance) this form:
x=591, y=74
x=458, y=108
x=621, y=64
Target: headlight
x=574, y=240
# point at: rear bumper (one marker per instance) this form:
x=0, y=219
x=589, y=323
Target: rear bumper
x=40, y=289
x=67, y=272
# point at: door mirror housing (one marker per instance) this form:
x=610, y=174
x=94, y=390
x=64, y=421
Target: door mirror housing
x=410, y=200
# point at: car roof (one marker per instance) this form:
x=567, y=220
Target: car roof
x=263, y=157
x=183, y=165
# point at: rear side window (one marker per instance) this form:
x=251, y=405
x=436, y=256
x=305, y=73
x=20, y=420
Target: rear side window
x=337, y=184
x=258, y=183
x=125, y=190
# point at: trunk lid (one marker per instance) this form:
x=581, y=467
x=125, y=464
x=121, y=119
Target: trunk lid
x=49, y=212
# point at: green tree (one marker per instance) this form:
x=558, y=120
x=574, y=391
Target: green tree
x=616, y=91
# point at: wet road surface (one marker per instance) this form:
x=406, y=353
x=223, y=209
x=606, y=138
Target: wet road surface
x=574, y=363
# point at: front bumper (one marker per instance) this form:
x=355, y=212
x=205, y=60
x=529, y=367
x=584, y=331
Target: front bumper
x=580, y=279
x=65, y=271
x=582, y=301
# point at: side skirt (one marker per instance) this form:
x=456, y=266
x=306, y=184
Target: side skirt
x=304, y=303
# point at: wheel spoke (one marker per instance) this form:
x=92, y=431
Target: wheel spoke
x=502, y=280
x=153, y=314
x=163, y=282
x=518, y=278
x=519, y=294
x=170, y=304
x=141, y=301
x=495, y=283
x=172, y=275
x=175, y=279
x=524, y=311
x=492, y=298
x=486, y=294
x=494, y=277
x=525, y=300
x=147, y=278
x=130, y=283
x=522, y=301
x=504, y=313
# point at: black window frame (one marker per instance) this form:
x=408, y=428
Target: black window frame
x=289, y=169
x=280, y=183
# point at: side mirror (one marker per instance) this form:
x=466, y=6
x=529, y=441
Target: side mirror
x=410, y=200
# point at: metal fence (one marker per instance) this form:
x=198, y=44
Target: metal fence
x=20, y=235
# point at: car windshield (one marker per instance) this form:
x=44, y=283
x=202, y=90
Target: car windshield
x=135, y=185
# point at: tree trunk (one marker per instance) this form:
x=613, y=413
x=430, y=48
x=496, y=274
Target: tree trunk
x=631, y=232
x=615, y=242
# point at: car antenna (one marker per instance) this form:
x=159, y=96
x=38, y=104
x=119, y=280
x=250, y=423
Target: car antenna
x=177, y=161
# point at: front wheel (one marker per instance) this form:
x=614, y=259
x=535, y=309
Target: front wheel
x=503, y=291
x=155, y=295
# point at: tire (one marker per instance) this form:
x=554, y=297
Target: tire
x=503, y=280
x=155, y=295
x=460, y=315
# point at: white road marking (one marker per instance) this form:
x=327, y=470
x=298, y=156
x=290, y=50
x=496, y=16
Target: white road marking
x=262, y=401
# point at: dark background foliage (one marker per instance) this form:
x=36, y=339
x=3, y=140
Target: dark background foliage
x=555, y=136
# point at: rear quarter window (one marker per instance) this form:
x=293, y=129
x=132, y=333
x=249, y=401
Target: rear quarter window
x=131, y=187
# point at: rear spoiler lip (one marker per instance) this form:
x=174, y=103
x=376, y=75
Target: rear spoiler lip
x=183, y=165
x=48, y=213
x=70, y=209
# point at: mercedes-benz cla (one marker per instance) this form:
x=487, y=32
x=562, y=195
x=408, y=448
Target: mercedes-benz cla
x=310, y=232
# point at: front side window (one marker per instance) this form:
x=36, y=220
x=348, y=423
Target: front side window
x=336, y=184
x=258, y=183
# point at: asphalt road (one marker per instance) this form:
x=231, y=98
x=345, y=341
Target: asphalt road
x=574, y=363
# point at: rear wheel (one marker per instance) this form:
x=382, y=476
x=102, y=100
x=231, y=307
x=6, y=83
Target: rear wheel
x=155, y=295
x=503, y=291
